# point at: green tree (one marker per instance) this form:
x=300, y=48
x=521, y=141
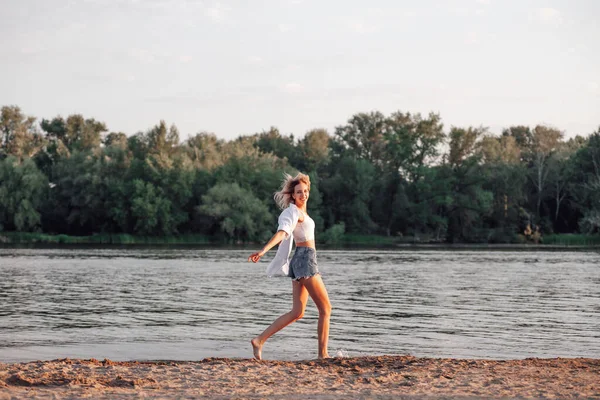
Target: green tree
x=399, y=147
x=178, y=184
x=471, y=203
x=559, y=176
x=463, y=144
x=363, y=136
x=238, y=214
x=313, y=150
x=162, y=140
x=523, y=137
x=584, y=183
x=347, y=192
x=282, y=146
x=84, y=133
x=388, y=200
x=56, y=148
x=22, y=190
x=497, y=150
x=205, y=150
x=91, y=193
x=76, y=204
x=19, y=136
x=157, y=145
x=74, y=133
x=411, y=143
x=426, y=204
x=259, y=173
x=545, y=141
x=505, y=179
x=315, y=207
x=118, y=139
x=151, y=210
x=115, y=189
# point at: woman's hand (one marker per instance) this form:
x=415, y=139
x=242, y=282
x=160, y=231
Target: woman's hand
x=277, y=237
x=254, y=257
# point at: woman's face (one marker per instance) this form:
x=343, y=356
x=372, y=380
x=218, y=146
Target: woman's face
x=300, y=194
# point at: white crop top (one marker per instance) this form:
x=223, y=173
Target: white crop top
x=301, y=231
x=305, y=230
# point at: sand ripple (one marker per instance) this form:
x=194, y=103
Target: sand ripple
x=371, y=377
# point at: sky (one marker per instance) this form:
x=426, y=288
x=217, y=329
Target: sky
x=240, y=67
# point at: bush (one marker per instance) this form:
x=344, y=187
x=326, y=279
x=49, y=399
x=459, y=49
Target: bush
x=238, y=213
x=335, y=234
x=590, y=223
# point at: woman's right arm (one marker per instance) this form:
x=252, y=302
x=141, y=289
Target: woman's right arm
x=287, y=222
x=277, y=237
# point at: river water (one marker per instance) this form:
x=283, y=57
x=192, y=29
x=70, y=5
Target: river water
x=189, y=304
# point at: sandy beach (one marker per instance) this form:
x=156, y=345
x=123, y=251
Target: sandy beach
x=378, y=377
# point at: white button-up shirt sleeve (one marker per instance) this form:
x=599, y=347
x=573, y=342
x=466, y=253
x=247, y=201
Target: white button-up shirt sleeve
x=287, y=223
x=288, y=220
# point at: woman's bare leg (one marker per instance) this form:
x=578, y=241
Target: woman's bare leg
x=300, y=297
x=317, y=291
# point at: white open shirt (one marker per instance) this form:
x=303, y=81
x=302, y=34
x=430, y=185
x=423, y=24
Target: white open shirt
x=288, y=219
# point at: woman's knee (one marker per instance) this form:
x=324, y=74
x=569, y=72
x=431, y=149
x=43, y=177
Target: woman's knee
x=297, y=314
x=325, y=309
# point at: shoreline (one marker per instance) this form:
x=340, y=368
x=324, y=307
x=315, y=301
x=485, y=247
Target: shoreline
x=353, y=246
x=26, y=239
x=379, y=377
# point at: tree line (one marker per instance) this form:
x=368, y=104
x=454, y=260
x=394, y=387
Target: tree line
x=397, y=175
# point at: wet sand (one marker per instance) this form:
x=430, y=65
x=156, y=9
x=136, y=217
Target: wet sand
x=378, y=377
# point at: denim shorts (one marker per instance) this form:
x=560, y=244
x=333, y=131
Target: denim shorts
x=304, y=263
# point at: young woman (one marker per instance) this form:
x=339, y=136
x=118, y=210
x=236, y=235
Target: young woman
x=306, y=280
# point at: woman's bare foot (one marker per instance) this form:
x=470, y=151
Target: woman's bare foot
x=257, y=348
x=324, y=356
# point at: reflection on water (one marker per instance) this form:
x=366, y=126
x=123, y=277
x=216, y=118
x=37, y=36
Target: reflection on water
x=188, y=304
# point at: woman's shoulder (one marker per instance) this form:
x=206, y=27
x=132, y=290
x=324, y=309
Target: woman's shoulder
x=297, y=212
x=291, y=209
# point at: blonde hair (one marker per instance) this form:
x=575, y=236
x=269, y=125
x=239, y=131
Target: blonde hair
x=283, y=197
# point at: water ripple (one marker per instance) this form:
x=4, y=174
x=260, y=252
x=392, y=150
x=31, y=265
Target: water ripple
x=192, y=303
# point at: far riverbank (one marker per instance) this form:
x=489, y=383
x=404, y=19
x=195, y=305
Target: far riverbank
x=558, y=241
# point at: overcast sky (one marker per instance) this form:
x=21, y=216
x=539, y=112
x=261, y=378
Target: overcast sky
x=239, y=67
